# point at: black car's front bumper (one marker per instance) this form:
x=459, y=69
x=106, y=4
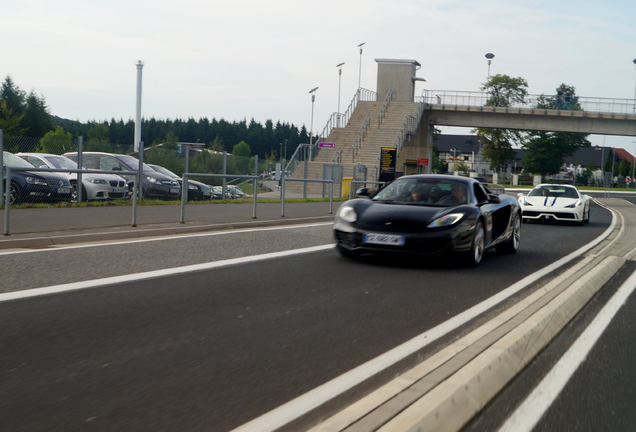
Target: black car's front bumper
x=427, y=242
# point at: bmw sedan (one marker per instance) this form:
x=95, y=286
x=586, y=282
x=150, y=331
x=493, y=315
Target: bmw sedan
x=33, y=186
x=196, y=189
x=429, y=214
x=94, y=186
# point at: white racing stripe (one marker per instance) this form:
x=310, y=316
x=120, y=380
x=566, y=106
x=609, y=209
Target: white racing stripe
x=528, y=414
x=313, y=399
x=55, y=248
x=54, y=289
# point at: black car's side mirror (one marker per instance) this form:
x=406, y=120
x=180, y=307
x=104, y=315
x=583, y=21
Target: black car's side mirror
x=493, y=199
x=363, y=192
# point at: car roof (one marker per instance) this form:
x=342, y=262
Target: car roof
x=441, y=177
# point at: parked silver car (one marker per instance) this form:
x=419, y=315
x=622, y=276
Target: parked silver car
x=154, y=184
x=196, y=190
x=94, y=186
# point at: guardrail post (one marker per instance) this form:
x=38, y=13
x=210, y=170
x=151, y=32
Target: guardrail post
x=331, y=197
x=184, y=192
x=255, y=186
x=7, y=203
x=224, y=184
x=305, y=175
x=134, y=199
x=1, y=165
x=282, y=194
x=80, y=165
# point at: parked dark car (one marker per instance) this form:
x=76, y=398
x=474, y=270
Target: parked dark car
x=429, y=214
x=33, y=186
x=154, y=184
x=197, y=191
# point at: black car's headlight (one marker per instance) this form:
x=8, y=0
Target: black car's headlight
x=446, y=220
x=347, y=214
x=35, y=180
x=152, y=179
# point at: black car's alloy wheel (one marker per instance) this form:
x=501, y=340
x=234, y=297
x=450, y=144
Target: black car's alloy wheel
x=15, y=194
x=477, y=250
x=512, y=244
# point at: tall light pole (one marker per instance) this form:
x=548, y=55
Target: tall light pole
x=360, y=67
x=311, y=127
x=489, y=56
x=137, y=137
x=339, y=66
x=634, y=109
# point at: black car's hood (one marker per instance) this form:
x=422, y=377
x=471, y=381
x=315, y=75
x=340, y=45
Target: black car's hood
x=397, y=217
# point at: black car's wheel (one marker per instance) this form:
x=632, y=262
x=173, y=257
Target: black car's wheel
x=512, y=244
x=15, y=194
x=477, y=249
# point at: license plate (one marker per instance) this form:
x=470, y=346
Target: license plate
x=64, y=190
x=383, y=239
x=174, y=190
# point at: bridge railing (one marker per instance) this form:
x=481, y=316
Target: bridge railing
x=467, y=98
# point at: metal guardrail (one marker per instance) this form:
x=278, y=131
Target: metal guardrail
x=286, y=179
x=411, y=122
x=7, y=195
x=362, y=132
x=385, y=106
x=451, y=98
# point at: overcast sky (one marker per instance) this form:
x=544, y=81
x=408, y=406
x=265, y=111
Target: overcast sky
x=244, y=59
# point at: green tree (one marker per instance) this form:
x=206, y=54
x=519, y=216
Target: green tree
x=97, y=138
x=57, y=141
x=13, y=96
x=241, y=158
x=36, y=119
x=503, y=91
x=10, y=121
x=545, y=151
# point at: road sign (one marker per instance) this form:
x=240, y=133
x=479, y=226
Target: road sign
x=422, y=161
x=327, y=145
x=628, y=179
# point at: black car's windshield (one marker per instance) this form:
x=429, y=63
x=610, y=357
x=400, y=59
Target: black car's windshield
x=424, y=191
x=554, y=191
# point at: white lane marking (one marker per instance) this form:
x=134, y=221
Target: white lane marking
x=55, y=248
x=282, y=415
x=54, y=289
x=528, y=414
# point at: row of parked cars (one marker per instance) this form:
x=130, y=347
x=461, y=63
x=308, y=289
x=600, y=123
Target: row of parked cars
x=156, y=182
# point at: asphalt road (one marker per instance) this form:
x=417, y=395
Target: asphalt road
x=210, y=350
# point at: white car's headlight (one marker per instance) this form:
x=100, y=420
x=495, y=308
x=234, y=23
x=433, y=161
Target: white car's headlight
x=446, y=220
x=347, y=214
x=575, y=204
x=524, y=201
x=96, y=180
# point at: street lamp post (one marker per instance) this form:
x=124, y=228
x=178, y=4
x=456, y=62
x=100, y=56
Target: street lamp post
x=311, y=127
x=360, y=66
x=489, y=56
x=634, y=109
x=339, y=66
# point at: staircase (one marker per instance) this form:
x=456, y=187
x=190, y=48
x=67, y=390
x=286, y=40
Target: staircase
x=379, y=134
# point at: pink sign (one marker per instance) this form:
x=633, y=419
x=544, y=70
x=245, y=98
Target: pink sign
x=327, y=145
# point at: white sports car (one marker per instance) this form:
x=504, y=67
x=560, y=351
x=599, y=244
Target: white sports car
x=557, y=202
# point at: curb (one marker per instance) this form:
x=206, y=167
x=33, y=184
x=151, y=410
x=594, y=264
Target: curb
x=117, y=234
x=447, y=389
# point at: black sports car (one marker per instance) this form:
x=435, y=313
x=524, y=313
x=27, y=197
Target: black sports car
x=429, y=214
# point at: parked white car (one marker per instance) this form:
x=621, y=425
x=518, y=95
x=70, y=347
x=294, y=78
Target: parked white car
x=94, y=186
x=556, y=202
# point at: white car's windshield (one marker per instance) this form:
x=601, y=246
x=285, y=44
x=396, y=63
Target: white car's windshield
x=554, y=191
x=429, y=192
x=13, y=161
x=61, y=162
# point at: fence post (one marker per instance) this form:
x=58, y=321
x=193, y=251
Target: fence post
x=224, y=187
x=134, y=200
x=331, y=198
x=282, y=193
x=184, y=191
x=80, y=165
x=1, y=165
x=7, y=203
x=255, y=185
x=305, y=173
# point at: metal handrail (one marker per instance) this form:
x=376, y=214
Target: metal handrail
x=411, y=122
x=361, y=95
x=385, y=106
x=362, y=132
x=450, y=98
